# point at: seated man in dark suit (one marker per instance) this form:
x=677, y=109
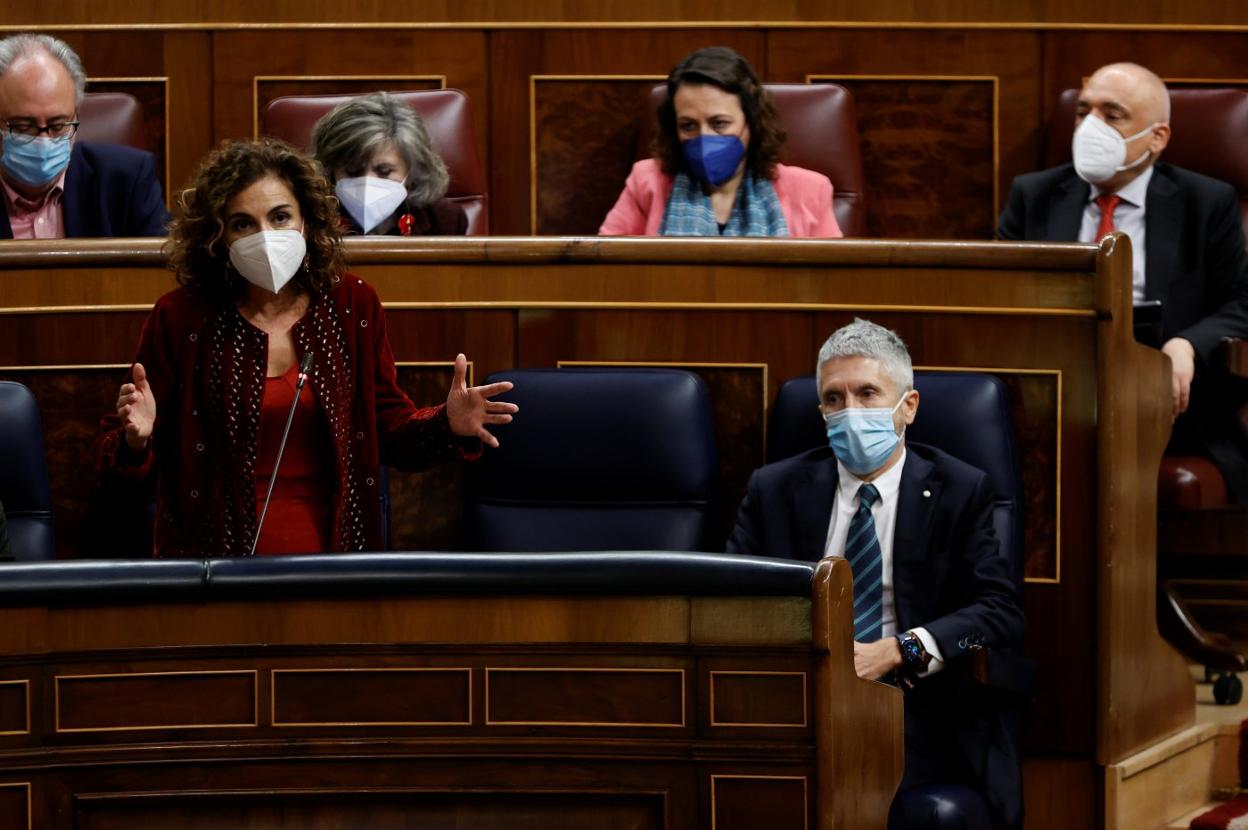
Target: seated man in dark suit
x=1186, y=238
x=55, y=187
x=916, y=527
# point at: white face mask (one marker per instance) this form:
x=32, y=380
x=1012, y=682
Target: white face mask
x=369, y=199
x=1100, y=150
x=269, y=259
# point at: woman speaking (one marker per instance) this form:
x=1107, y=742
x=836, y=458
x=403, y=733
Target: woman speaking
x=256, y=250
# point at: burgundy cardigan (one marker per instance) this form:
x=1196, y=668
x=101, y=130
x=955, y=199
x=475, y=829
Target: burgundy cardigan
x=206, y=366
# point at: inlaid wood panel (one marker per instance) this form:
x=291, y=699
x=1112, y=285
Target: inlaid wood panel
x=372, y=697
x=585, y=132
x=758, y=699
x=748, y=802
x=15, y=806
x=155, y=700
x=929, y=155
x=585, y=697
x=14, y=707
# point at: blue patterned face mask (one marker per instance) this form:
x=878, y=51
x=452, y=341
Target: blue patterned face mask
x=713, y=158
x=35, y=162
x=863, y=437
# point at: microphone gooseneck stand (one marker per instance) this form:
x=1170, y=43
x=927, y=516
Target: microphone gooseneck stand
x=305, y=366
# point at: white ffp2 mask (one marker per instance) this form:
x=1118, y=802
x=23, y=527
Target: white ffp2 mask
x=369, y=199
x=269, y=259
x=1099, y=150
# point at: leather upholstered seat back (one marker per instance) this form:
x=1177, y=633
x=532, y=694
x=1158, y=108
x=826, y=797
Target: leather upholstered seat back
x=447, y=117
x=597, y=459
x=24, y=489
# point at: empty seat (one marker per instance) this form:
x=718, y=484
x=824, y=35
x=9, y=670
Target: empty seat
x=598, y=459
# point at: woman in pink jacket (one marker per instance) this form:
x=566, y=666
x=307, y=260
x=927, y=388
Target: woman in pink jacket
x=715, y=170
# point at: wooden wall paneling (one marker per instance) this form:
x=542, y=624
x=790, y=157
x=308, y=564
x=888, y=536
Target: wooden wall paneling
x=188, y=65
x=1060, y=793
x=16, y=805
x=947, y=118
x=240, y=56
x=589, y=126
x=743, y=802
x=266, y=88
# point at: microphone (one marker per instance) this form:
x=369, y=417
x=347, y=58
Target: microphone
x=305, y=366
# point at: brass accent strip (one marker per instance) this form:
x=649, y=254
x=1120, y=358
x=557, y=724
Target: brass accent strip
x=26, y=699
x=256, y=79
x=996, y=119
x=255, y=686
x=29, y=807
x=496, y=305
x=164, y=81
x=1057, y=506
x=445, y=669
x=805, y=703
x=600, y=670
x=802, y=778
x=1033, y=25
x=533, y=79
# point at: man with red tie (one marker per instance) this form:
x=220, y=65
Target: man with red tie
x=1186, y=238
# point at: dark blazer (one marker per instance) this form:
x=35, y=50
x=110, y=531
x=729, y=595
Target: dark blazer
x=110, y=190
x=1195, y=262
x=948, y=576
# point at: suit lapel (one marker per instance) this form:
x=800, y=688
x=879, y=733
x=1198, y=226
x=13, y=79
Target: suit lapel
x=1163, y=216
x=916, y=499
x=812, y=504
x=1066, y=217
x=75, y=201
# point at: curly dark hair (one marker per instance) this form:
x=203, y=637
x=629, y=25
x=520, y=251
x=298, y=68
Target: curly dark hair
x=197, y=252
x=724, y=68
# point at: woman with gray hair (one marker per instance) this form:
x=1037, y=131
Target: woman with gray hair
x=388, y=177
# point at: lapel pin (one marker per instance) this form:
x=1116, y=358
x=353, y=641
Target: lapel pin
x=927, y=494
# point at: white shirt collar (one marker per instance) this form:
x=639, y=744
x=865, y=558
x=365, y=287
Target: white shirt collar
x=887, y=484
x=1134, y=193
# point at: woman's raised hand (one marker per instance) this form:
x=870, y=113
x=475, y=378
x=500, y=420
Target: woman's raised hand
x=469, y=409
x=136, y=407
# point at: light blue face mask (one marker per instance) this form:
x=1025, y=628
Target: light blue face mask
x=863, y=437
x=35, y=162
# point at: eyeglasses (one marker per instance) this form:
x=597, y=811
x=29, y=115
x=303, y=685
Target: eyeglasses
x=24, y=132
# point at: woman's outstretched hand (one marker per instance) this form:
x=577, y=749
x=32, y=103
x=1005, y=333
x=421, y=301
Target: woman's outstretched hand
x=469, y=409
x=136, y=407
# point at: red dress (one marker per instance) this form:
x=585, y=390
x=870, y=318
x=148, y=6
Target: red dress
x=298, y=517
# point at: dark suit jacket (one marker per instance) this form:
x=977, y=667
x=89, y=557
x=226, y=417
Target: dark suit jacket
x=1195, y=262
x=948, y=576
x=110, y=191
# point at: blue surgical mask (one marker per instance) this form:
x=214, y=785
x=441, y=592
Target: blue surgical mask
x=713, y=159
x=862, y=437
x=35, y=162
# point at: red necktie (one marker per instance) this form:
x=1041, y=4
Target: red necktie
x=1106, y=202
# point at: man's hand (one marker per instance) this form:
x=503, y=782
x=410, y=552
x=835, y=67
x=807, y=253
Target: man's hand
x=469, y=409
x=874, y=660
x=1183, y=363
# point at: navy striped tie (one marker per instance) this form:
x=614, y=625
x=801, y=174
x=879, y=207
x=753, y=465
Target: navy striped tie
x=862, y=549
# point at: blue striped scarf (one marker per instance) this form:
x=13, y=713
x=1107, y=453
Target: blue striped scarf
x=756, y=211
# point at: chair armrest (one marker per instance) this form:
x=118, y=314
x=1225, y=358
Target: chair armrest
x=1231, y=357
x=1181, y=630
x=997, y=670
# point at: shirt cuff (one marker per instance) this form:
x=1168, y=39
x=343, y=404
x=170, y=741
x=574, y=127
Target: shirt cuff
x=929, y=645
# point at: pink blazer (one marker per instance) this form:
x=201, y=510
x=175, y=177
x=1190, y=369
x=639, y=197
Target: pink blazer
x=805, y=198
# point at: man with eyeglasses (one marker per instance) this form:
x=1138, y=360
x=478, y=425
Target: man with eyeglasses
x=53, y=186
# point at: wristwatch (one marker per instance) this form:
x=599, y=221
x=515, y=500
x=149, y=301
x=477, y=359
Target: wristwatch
x=914, y=658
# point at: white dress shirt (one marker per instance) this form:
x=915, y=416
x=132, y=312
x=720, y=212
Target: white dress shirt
x=1128, y=218
x=884, y=512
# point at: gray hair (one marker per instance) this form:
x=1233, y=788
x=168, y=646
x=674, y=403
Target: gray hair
x=862, y=338
x=26, y=45
x=353, y=131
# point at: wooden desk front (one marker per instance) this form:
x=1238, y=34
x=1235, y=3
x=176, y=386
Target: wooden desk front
x=1052, y=320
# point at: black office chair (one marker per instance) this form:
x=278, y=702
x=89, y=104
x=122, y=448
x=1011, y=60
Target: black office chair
x=24, y=489
x=966, y=414
x=599, y=459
